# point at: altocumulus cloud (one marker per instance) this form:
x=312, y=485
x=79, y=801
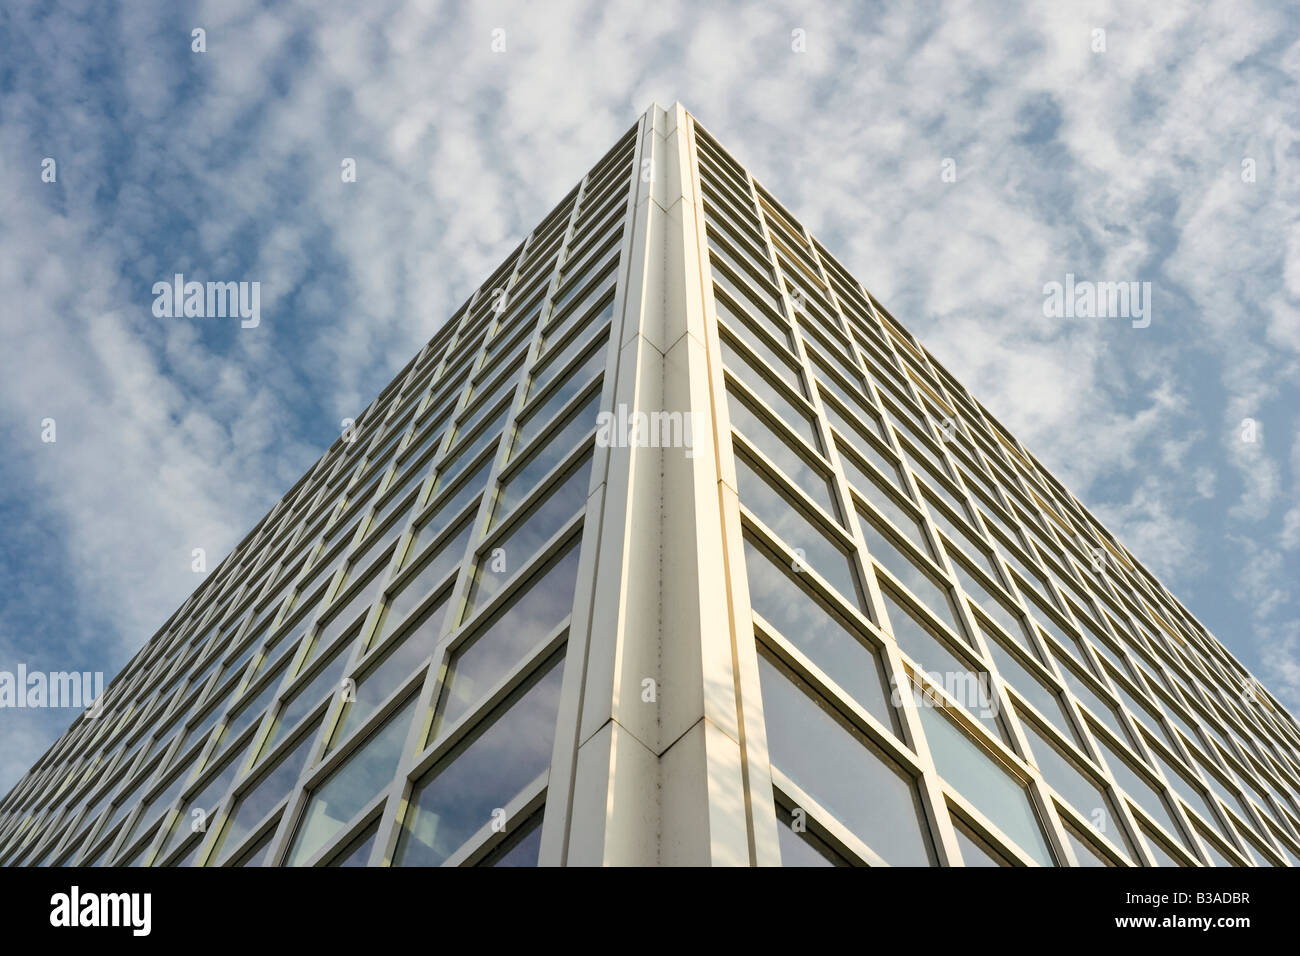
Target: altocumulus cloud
x=1121, y=164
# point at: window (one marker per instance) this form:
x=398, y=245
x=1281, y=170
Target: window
x=434, y=568
x=975, y=851
x=836, y=766
x=964, y=682
x=259, y=799
x=799, y=847
x=396, y=663
x=932, y=594
x=502, y=557
x=783, y=453
x=785, y=407
x=538, y=606
x=826, y=639
x=358, y=780
x=508, y=750
x=1076, y=786
x=988, y=787
x=814, y=546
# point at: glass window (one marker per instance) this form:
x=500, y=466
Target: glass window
x=357, y=853
x=254, y=709
x=584, y=372
x=522, y=848
x=326, y=679
x=350, y=609
x=1138, y=787
x=751, y=329
x=785, y=408
x=1159, y=851
x=497, y=563
x=468, y=452
x=1084, y=693
x=856, y=471
x=580, y=422
x=357, y=781
x=990, y=789
x=997, y=609
x=1031, y=687
x=1084, y=852
x=932, y=594
x=964, y=683
x=550, y=365
x=508, y=750
x=263, y=796
x=435, y=568
x=395, y=665
x=198, y=810
x=520, y=482
x=975, y=851
x=535, y=610
x=1074, y=785
x=799, y=847
x=821, y=635
x=815, y=547
x=848, y=776
x=768, y=440
x=892, y=509
x=544, y=412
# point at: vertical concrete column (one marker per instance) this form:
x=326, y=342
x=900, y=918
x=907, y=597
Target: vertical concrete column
x=658, y=773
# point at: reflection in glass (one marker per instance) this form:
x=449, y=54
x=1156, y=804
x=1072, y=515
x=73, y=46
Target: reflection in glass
x=508, y=750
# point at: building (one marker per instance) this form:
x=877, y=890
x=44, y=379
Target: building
x=673, y=547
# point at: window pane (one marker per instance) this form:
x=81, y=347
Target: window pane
x=1137, y=787
x=357, y=853
x=270, y=790
x=818, y=550
x=581, y=421
x=976, y=776
x=325, y=680
x=974, y=851
x=506, y=753
x=523, y=849
x=819, y=634
x=354, y=784
x=374, y=686
x=793, y=415
x=1084, y=852
x=1030, y=687
x=926, y=589
x=1070, y=782
x=438, y=564
x=769, y=441
x=801, y=848
x=489, y=655
x=507, y=555
x=844, y=773
x=968, y=687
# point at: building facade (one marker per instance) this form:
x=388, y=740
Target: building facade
x=672, y=547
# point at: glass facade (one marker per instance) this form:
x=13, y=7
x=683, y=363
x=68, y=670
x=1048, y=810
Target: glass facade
x=476, y=617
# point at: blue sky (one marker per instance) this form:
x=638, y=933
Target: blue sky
x=1115, y=164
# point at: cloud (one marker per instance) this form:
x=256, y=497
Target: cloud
x=1122, y=165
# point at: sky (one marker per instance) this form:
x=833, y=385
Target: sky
x=955, y=157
